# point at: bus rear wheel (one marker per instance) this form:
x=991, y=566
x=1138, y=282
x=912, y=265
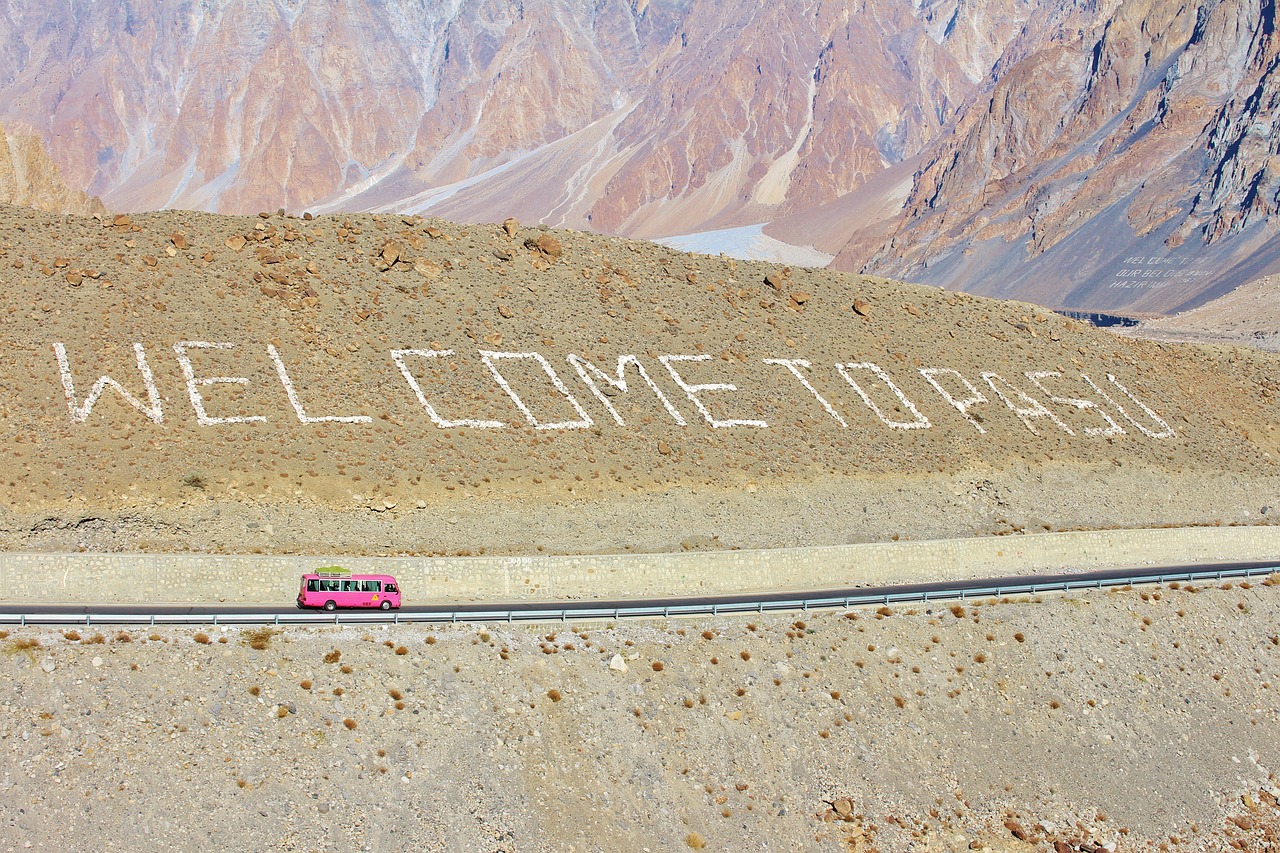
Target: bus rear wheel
x=385, y=605
x=330, y=605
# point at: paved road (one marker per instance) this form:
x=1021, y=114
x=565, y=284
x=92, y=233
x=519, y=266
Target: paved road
x=494, y=611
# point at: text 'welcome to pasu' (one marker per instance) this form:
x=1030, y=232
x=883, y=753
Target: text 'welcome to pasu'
x=1075, y=404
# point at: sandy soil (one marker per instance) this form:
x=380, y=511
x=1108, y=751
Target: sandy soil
x=216, y=454
x=1121, y=720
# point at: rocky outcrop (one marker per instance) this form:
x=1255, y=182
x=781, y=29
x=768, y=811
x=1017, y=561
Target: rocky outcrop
x=29, y=177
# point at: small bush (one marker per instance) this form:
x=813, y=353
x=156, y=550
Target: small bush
x=202, y=638
x=395, y=694
x=255, y=690
x=71, y=635
x=657, y=666
x=402, y=650
x=259, y=638
x=349, y=723
x=305, y=684
x=553, y=695
x=333, y=656
x=345, y=669
x=745, y=655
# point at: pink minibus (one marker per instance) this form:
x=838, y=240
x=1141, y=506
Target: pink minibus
x=333, y=587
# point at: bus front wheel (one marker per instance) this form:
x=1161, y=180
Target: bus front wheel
x=385, y=605
x=330, y=605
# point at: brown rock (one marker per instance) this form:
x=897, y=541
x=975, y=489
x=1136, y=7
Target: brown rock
x=774, y=280
x=1016, y=830
x=511, y=225
x=121, y=220
x=150, y=260
x=506, y=312
x=179, y=240
x=549, y=246
x=664, y=448
x=800, y=297
x=426, y=268
x=433, y=232
x=502, y=254
x=236, y=242
x=1061, y=847
x=975, y=844
x=391, y=251
x=862, y=308
x=843, y=807
x=74, y=279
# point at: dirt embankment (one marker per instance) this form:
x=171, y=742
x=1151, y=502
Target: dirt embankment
x=1119, y=720
x=382, y=384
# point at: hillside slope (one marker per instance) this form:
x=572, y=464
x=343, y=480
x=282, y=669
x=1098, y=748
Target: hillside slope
x=391, y=384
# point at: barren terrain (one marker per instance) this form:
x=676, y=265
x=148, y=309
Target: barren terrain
x=387, y=384
x=1119, y=720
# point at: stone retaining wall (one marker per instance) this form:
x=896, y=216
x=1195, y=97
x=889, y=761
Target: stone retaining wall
x=258, y=579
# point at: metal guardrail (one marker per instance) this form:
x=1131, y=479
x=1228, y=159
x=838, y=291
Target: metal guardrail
x=648, y=611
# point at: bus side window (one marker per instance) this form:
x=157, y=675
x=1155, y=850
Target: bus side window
x=371, y=586
x=350, y=586
x=390, y=588
x=329, y=586
x=313, y=585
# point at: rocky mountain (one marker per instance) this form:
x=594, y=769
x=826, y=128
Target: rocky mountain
x=29, y=177
x=1109, y=155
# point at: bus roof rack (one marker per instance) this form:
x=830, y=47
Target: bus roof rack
x=333, y=572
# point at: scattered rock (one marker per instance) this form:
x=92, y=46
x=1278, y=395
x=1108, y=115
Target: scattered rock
x=774, y=280
x=235, y=243
x=121, y=220
x=511, y=225
x=862, y=308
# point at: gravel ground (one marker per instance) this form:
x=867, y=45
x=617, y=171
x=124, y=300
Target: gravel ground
x=1132, y=718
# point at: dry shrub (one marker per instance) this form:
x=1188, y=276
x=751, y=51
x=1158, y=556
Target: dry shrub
x=202, y=638
x=124, y=637
x=1019, y=637
x=695, y=841
x=957, y=611
x=305, y=684
x=255, y=690
x=24, y=644
x=657, y=666
x=345, y=669
x=708, y=635
x=71, y=635
x=553, y=695
x=402, y=650
x=259, y=638
x=431, y=640
x=399, y=706
x=746, y=655
x=349, y=723
x=282, y=712
x=899, y=701
x=333, y=656
x=395, y=694
x=96, y=640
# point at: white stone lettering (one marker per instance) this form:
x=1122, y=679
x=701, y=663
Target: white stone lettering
x=962, y=406
x=1083, y=405
x=79, y=414
x=297, y=404
x=490, y=357
x=194, y=384
x=692, y=391
x=581, y=365
x=793, y=365
x=920, y=422
x=1028, y=412
x=397, y=355
x=1167, y=432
